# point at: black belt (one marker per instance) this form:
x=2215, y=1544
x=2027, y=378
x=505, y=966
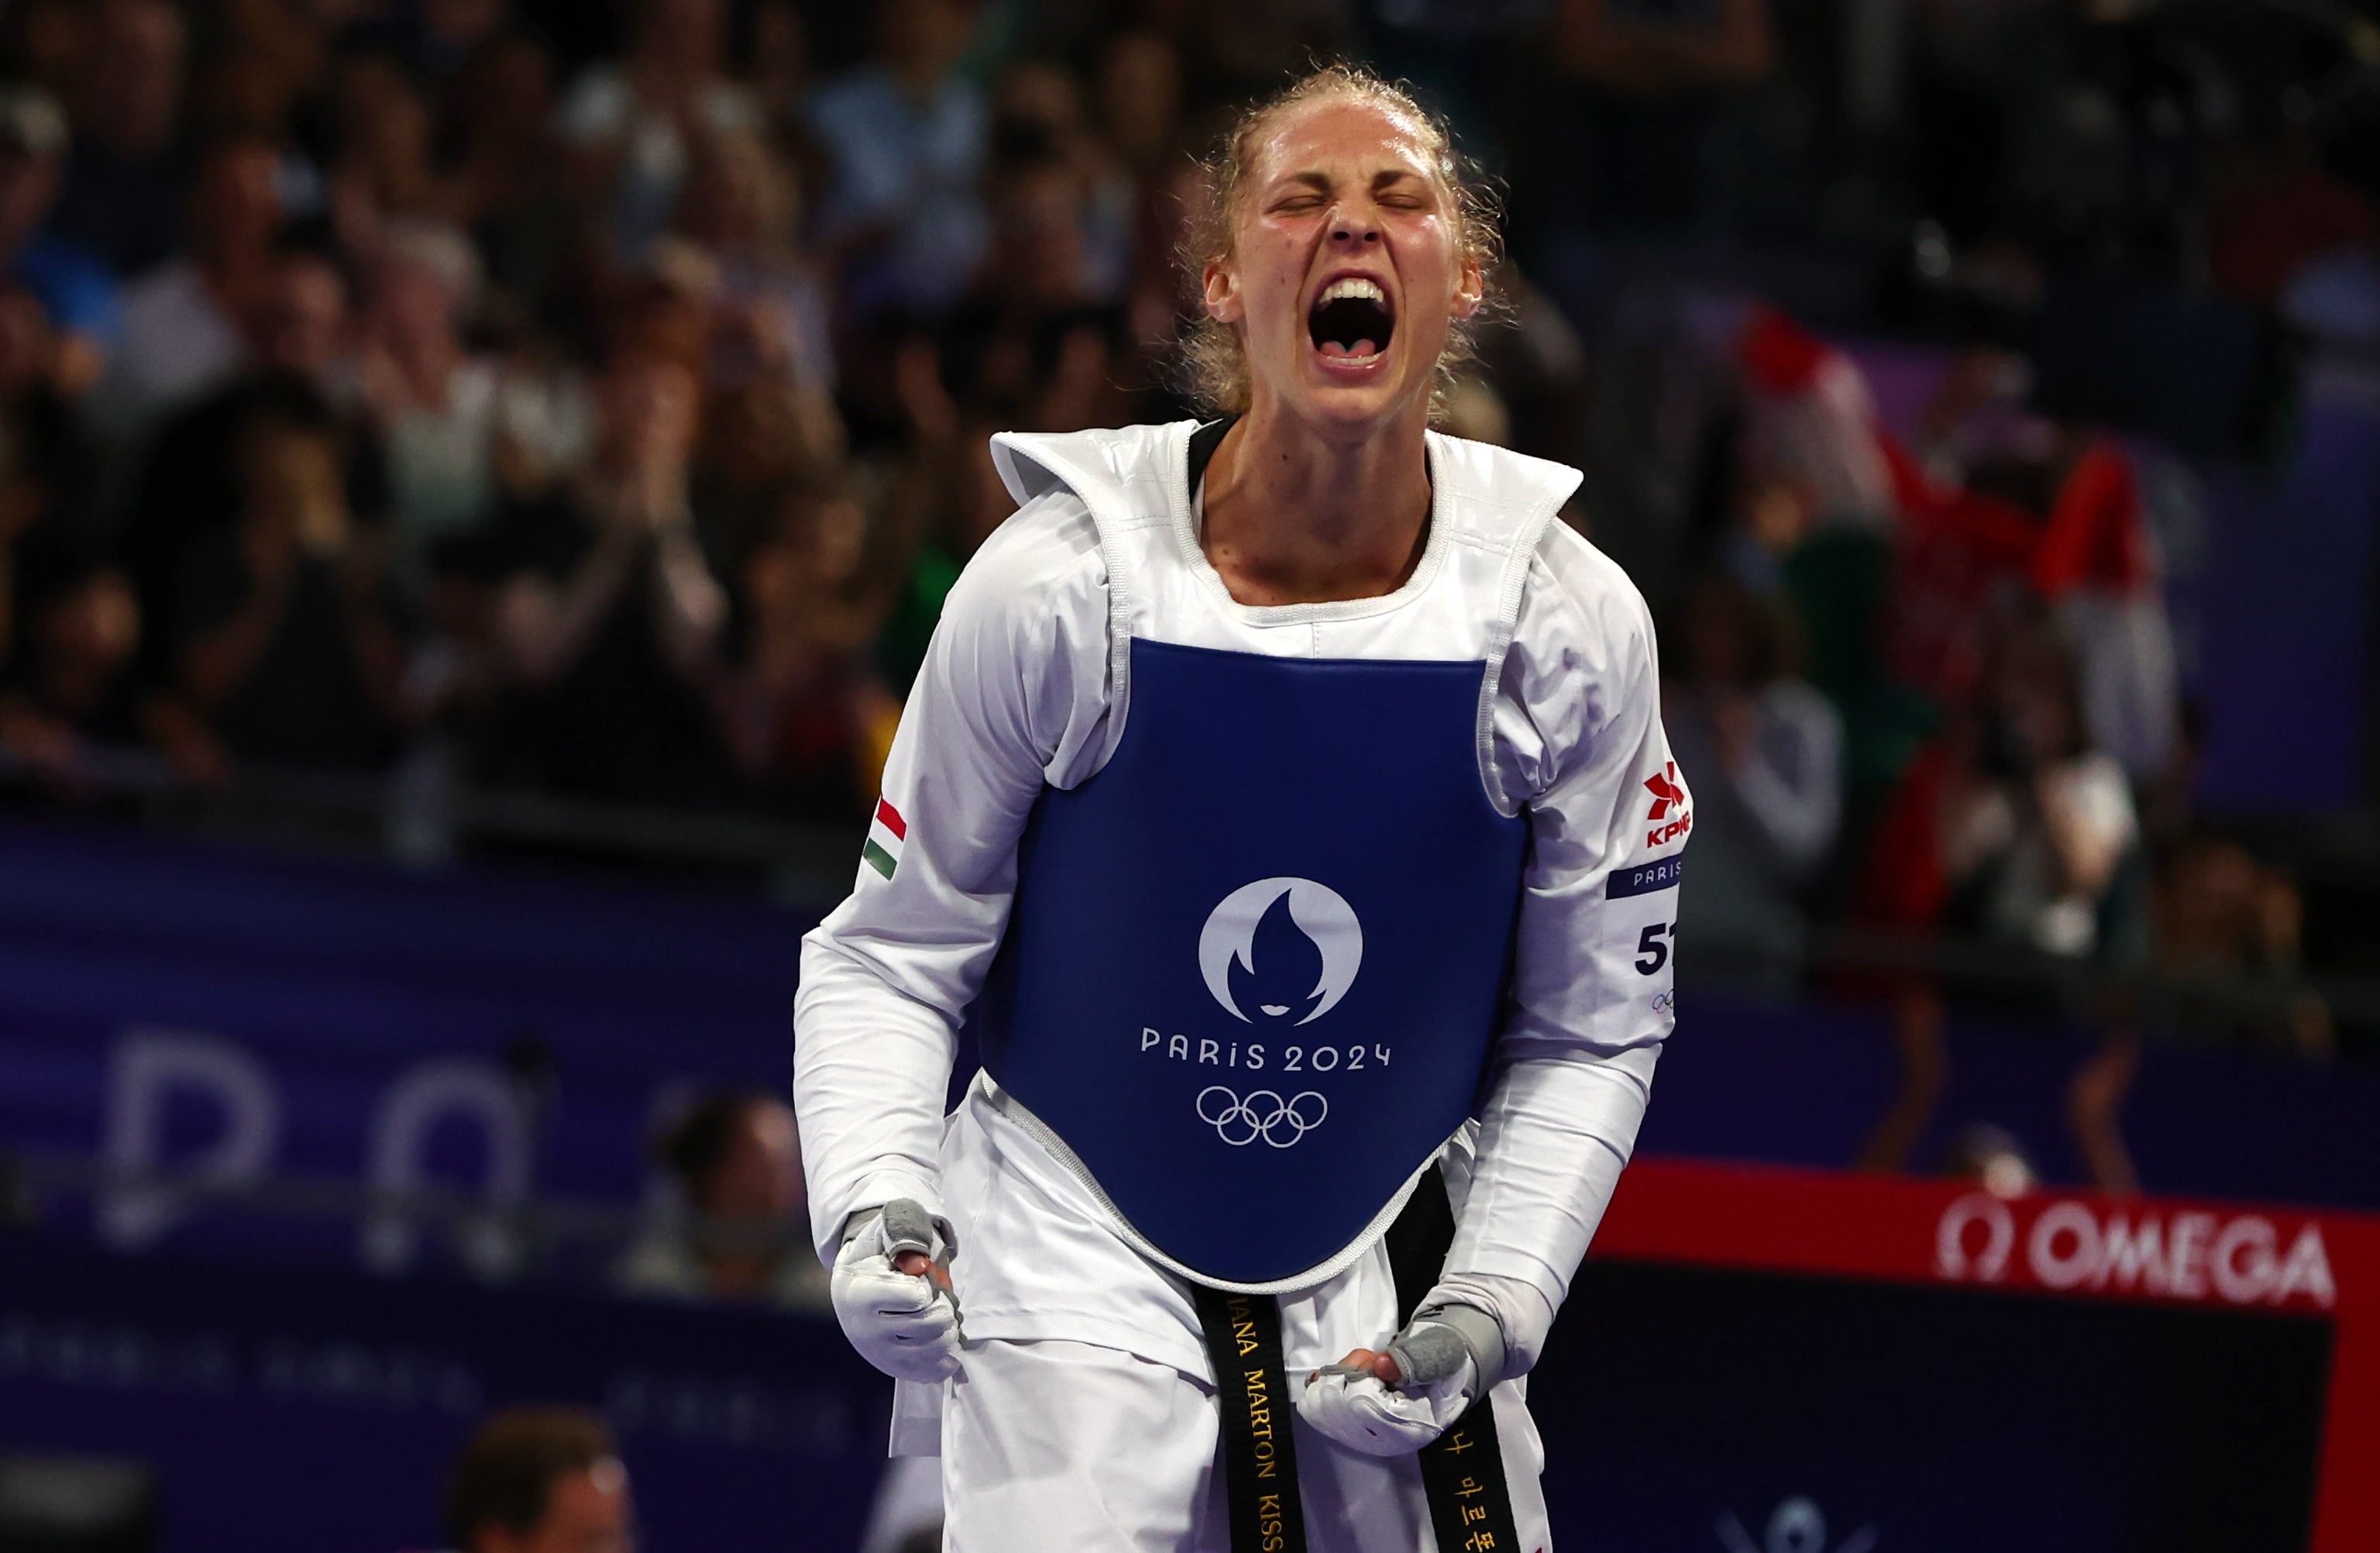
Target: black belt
x=1259, y=1456
x=1462, y=1471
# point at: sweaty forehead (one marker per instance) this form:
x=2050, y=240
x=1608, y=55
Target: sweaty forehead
x=1345, y=137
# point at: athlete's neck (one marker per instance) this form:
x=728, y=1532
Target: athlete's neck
x=1294, y=517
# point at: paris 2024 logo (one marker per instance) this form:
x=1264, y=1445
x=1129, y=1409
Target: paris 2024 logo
x=1260, y=945
x=1284, y=911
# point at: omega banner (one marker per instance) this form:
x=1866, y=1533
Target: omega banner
x=1858, y=1363
x=1753, y=1362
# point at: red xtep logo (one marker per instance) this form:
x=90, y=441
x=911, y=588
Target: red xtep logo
x=1666, y=793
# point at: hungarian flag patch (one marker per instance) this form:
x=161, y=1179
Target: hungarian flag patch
x=885, y=835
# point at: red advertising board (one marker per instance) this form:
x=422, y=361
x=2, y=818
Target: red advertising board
x=2245, y=1259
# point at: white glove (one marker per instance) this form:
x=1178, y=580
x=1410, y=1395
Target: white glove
x=904, y=1324
x=1362, y=1413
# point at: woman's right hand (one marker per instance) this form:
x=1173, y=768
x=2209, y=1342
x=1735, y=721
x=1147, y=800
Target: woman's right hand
x=895, y=1298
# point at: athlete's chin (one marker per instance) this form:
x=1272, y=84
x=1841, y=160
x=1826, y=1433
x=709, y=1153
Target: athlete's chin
x=1354, y=401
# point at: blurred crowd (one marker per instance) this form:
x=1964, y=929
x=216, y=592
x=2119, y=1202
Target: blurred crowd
x=1928, y=687
x=592, y=398
x=382, y=383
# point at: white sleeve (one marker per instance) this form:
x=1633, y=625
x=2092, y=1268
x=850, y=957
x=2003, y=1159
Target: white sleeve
x=1580, y=716
x=1013, y=695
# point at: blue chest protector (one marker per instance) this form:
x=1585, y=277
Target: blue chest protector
x=1255, y=964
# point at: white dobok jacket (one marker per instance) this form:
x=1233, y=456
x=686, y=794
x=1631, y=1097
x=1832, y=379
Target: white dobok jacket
x=1027, y=684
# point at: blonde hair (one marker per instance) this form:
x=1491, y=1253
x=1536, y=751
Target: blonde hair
x=1214, y=362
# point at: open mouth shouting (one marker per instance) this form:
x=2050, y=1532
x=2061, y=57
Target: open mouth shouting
x=1351, y=323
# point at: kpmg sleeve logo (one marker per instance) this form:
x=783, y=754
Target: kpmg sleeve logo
x=1264, y=942
x=1669, y=816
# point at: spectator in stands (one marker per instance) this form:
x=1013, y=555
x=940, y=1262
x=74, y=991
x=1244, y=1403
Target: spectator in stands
x=1138, y=87
x=122, y=197
x=1039, y=112
x=69, y=690
x=743, y=1234
x=952, y=498
x=1035, y=332
x=302, y=326
x=44, y=480
x=2222, y=915
x=502, y=113
x=74, y=288
x=1766, y=750
x=386, y=165
x=455, y=683
x=2097, y=566
x=803, y=711
x=1809, y=424
x=667, y=307
x=2060, y=505
x=1139, y=91
x=771, y=308
x=1538, y=366
x=777, y=62
x=186, y=324
x=762, y=438
x=1814, y=519
x=434, y=401
x=39, y=41
x=633, y=124
x=540, y=1480
x=2012, y=824
x=253, y=74
x=2040, y=838
x=611, y=622
x=190, y=487
x=49, y=469
x=287, y=650
x=906, y=140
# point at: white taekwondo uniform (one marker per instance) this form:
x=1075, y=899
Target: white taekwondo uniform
x=1085, y=1415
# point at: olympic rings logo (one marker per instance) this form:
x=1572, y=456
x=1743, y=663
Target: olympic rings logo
x=1262, y=1115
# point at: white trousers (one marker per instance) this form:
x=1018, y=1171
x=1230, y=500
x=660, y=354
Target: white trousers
x=1050, y=1446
